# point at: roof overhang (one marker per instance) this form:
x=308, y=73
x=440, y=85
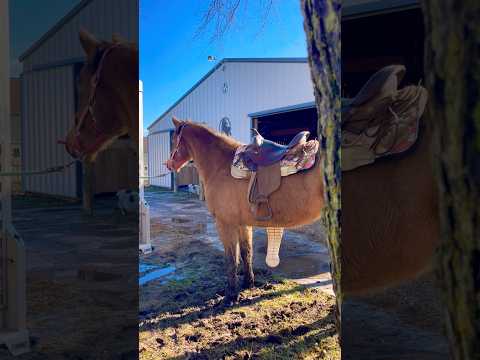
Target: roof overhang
x=353, y=9
x=285, y=109
x=54, y=29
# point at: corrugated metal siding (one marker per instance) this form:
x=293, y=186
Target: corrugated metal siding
x=101, y=18
x=252, y=86
x=48, y=94
x=48, y=109
x=158, y=153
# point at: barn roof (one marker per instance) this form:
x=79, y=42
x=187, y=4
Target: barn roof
x=220, y=63
x=71, y=14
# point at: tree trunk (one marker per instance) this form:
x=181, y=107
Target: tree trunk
x=452, y=67
x=322, y=28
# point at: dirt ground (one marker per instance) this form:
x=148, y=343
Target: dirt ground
x=289, y=315
x=405, y=322
x=81, y=280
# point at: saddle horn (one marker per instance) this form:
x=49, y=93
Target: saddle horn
x=257, y=138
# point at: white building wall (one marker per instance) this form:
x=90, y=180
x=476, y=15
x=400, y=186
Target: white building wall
x=252, y=87
x=48, y=90
x=100, y=17
x=158, y=153
x=47, y=114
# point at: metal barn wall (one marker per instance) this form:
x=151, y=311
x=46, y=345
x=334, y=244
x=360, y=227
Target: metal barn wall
x=102, y=18
x=158, y=153
x=251, y=86
x=47, y=114
x=48, y=88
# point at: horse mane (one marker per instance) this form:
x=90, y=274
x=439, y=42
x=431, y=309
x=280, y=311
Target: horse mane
x=222, y=140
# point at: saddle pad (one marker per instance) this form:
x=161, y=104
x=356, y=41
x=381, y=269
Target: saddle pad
x=392, y=131
x=288, y=166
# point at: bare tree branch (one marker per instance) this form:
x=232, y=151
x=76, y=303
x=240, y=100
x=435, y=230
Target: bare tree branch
x=221, y=16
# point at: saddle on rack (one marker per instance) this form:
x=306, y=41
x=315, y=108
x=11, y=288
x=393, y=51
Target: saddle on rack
x=381, y=120
x=265, y=162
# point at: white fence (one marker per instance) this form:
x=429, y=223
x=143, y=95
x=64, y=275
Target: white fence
x=144, y=221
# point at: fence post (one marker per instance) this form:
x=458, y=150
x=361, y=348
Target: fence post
x=88, y=180
x=145, y=244
x=13, y=332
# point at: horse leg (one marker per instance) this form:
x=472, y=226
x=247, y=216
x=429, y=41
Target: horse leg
x=246, y=251
x=229, y=235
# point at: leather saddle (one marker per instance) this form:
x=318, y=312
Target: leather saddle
x=263, y=152
x=265, y=162
x=382, y=119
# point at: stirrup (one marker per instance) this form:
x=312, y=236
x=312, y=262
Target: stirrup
x=262, y=200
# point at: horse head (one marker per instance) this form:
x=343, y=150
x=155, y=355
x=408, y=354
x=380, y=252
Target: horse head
x=181, y=154
x=107, y=97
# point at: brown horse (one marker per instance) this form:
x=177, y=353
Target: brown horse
x=107, y=97
x=298, y=201
x=390, y=225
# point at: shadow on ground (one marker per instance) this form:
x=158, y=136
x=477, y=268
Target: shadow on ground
x=82, y=280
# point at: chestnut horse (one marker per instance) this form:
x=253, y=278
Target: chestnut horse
x=298, y=201
x=107, y=97
x=390, y=224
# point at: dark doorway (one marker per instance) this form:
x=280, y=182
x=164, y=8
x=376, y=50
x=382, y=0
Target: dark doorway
x=282, y=127
x=372, y=42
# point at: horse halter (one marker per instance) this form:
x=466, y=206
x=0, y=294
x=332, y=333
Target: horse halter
x=89, y=109
x=176, y=148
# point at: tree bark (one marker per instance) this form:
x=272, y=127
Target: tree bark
x=322, y=28
x=452, y=68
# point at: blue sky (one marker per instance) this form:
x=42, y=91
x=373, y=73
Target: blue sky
x=172, y=58
x=29, y=21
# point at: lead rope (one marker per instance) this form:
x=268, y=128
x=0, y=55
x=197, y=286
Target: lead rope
x=50, y=170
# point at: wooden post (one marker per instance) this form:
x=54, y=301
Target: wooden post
x=88, y=186
x=175, y=185
x=201, y=196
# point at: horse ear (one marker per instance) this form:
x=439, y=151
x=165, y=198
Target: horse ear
x=116, y=38
x=176, y=122
x=89, y=44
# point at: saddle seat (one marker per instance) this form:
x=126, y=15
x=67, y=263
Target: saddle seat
x=263, y=152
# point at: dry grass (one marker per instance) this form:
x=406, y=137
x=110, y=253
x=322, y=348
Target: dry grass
x=275, y=321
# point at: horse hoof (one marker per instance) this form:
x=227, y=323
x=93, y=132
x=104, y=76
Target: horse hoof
x=230, y=301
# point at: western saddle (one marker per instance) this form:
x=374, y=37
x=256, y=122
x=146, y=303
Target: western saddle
x=382, y=119
x=265, y=162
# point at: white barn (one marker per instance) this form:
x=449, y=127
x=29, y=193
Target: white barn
x=50, y=67
x=226, y=96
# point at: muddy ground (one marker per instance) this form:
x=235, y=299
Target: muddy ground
x=289, y=315
x=81, y=280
